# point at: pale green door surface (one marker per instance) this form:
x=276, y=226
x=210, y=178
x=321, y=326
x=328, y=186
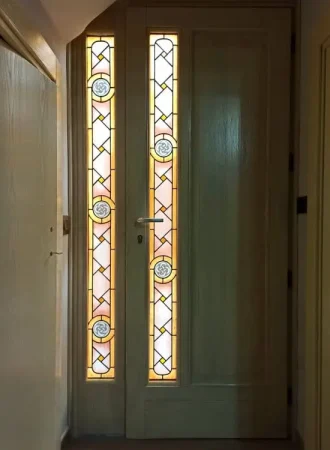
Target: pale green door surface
x=234, y=77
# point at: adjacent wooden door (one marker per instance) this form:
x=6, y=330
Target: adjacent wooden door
x=28, y=202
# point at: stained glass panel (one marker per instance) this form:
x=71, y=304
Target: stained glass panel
x=101, y=207
x=163, y=173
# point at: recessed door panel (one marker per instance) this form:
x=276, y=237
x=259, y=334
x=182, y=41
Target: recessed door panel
x=229, y=202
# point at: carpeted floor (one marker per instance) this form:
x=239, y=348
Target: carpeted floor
x=126, y=444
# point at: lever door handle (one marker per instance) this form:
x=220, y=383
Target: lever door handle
x=149, y=220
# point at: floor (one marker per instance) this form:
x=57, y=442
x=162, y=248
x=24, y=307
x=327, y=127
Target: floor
x=123, y=444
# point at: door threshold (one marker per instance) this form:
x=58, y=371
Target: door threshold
x=178, y=444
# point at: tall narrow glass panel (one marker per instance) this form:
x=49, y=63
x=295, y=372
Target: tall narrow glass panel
x=163, y=174
x=100, y=107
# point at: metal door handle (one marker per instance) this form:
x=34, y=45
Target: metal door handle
x=149, y=220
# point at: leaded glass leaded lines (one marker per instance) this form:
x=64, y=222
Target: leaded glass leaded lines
x=163, y=173
x=100, y=97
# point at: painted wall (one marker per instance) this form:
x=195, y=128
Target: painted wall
x=71, y=17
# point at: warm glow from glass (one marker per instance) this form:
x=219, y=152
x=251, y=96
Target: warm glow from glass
x=163, y=174
x=100, y=104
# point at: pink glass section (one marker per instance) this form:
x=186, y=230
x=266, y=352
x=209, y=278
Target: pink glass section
x=162, y=194
x=101, y=288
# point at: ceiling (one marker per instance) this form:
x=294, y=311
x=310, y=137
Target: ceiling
x=71, y=17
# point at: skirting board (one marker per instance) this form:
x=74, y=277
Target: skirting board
x=65, y=438
x=300, y=442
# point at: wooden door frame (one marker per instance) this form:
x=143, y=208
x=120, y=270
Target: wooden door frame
x=103, y=25
x=316, y=281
